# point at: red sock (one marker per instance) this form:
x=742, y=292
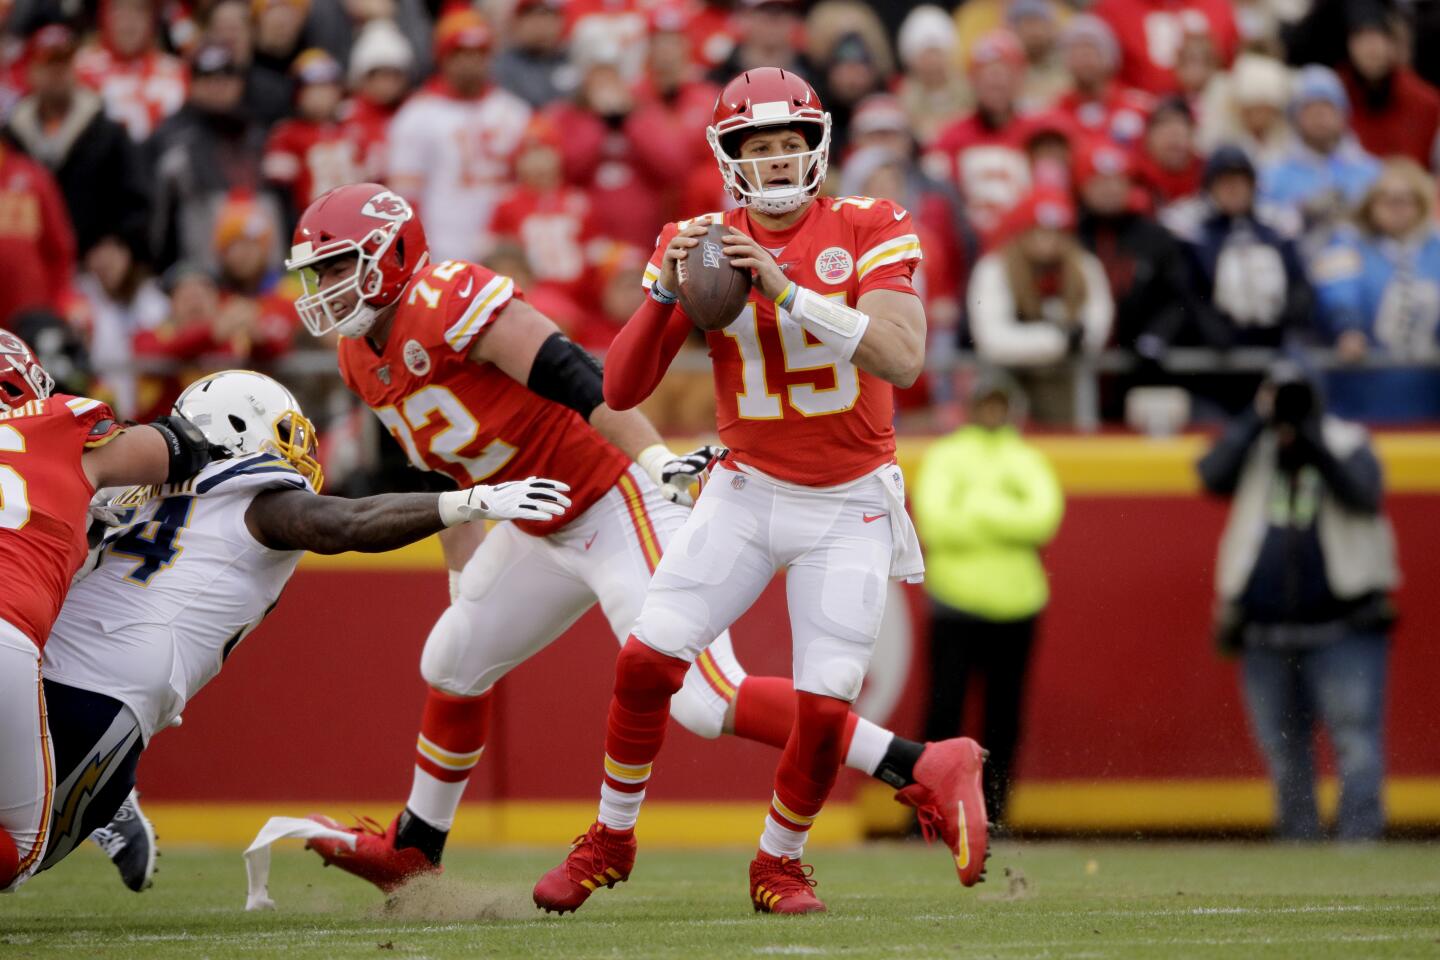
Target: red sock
x=765, y=713
x=811, y=760
x=9, y=859
x=453, y=731
x=645, y=680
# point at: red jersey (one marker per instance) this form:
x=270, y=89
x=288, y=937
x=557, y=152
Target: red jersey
x=551, y=227
x=987, y=164
x=1151, y=32
x=368, y=123
x=37, y=245
x=471, y=421
x=785, y=404
x=312, y=158
x=1120, y=113
x=138, y=92
x=1405, y=123
x=44, y=495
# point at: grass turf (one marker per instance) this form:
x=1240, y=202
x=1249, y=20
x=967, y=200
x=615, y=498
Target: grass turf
x=893, y=901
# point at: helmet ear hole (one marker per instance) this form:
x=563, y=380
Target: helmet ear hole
x=237, y=423
x=14, y=392
x=400, y=250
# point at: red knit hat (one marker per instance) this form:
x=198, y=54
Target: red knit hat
x=1102, y=158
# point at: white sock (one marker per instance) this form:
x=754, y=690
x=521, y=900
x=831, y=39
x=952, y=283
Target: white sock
x=781, y=841
x=434, y=800
x=867, y=747
x=619, y=810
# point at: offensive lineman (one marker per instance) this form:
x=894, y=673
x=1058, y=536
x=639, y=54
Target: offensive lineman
x=803, y=388
x=54, y=451
x=476, y=384
x=188, y=572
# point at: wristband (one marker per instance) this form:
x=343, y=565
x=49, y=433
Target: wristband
x=787, y=296
x=831, y=321
x=660, y=295
x=450, y=504
x=653, y=459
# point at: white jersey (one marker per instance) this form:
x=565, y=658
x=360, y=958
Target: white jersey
x=460, y=150
x=175, y=586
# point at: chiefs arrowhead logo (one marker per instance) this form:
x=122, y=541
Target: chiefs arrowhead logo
x=387, y=206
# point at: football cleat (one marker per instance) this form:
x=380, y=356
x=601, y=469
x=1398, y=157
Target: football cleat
x=129, y=841
x=601, y=858
x=949, y=802
x=375, y=857
x=782, y=885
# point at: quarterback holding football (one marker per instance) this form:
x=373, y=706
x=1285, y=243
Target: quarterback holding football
x=806, y=355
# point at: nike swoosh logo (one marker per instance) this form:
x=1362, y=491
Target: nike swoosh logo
x=899, y=214
x=592, y=539
x=470, y=282
x=872, y=517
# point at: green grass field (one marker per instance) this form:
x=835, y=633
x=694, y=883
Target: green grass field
x=894, y=901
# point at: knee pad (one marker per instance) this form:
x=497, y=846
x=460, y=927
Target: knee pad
x=833, y=667
x=675, y=622
x=444, y=663
x=643, y=669
x=693, y=710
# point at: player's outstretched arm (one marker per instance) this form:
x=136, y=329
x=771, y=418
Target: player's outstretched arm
x=301, y=520
x=169, y=450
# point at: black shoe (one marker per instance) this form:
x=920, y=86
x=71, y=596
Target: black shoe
x=129, y=841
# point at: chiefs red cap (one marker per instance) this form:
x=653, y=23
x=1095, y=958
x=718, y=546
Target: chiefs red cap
x=1100, y=159
x=462, y=29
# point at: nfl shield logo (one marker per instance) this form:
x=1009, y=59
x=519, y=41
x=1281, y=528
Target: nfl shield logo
x=383, y=372
x=738, y=482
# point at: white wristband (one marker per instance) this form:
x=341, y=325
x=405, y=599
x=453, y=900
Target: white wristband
x=831, y=321
x=450, y=503
x=653, y=459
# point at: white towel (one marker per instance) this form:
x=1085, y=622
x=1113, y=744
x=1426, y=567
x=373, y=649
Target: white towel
x=257, y=855
x=906, y=561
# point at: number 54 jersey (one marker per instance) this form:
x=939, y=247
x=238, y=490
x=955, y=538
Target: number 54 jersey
x=177, y=583
x=785, y=403
x=467, y=420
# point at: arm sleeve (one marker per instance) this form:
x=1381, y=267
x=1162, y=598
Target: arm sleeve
x=887, y=248
x=999, y=336
x=643, y=349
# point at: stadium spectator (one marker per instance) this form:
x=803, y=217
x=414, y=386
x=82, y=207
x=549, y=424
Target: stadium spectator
x=615, y=277
x=140, y=84
x=1151, y=33
x=121, y=300
x=1036, y=25
x=617, y=26
x=768, y=35
x=994, y=179
x=1246, y=107
x=199, y=155
x=270, y=80
x=1197, y=63
x=181, y=340
x=380, y=68
x=1144, y=264
x=1099, y=104
x=336, y=26
x=1324, y=171
x=550, y=222
x=256, y=320
x=932, y=89
x=1168, y=166
x=613, y=156
x=1395, y=113
x=313, y=152
x=533, y=65
x=1304, y=568
x=451, y=143
x=1038, y=299
x=227, y=23
x=95, y=164
x=849, y=74
x=986, y=503
x=1378, y=286
x=37, y=245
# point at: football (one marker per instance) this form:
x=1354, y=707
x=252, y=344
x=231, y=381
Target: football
x=712, y=291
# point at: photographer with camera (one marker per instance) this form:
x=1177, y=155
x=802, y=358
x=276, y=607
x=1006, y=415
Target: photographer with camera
x=1305, y=567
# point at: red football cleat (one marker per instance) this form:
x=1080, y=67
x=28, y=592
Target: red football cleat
x=601, y=858
x=782, y=885
x=375, y=857
x=950, y=803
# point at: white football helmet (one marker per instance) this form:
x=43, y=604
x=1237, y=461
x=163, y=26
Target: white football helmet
x=247, y=412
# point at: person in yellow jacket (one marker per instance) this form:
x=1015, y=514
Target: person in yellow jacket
x=985, y=502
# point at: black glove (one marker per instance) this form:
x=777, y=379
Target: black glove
x=190, y=452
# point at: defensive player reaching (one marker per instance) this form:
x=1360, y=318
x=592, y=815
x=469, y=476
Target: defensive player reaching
x=478, y=385
x=54, y=451
x=803, y=388
x=190, y=570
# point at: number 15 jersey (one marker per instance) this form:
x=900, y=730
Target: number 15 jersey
x=472, y=421
x=785, y=403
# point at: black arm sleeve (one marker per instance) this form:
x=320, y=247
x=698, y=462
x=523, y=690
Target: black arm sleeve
x=565, y=373
x=189, y=450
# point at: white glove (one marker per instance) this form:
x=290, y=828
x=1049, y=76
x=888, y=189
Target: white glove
x=533, y=498
x=680, y=476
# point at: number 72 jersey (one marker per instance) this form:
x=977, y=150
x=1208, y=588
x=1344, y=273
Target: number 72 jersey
x=468, y=420
x=786, y=403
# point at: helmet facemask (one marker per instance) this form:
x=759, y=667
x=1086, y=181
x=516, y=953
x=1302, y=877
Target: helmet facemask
x=20, y=370
x=744, y=178
x=321, y=310
x=295, y=442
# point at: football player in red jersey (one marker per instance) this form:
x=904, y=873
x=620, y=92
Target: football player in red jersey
x=803, y=387
x=476, y=383
x=55, y=451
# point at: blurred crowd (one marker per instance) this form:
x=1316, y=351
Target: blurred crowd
x=1126, y=178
